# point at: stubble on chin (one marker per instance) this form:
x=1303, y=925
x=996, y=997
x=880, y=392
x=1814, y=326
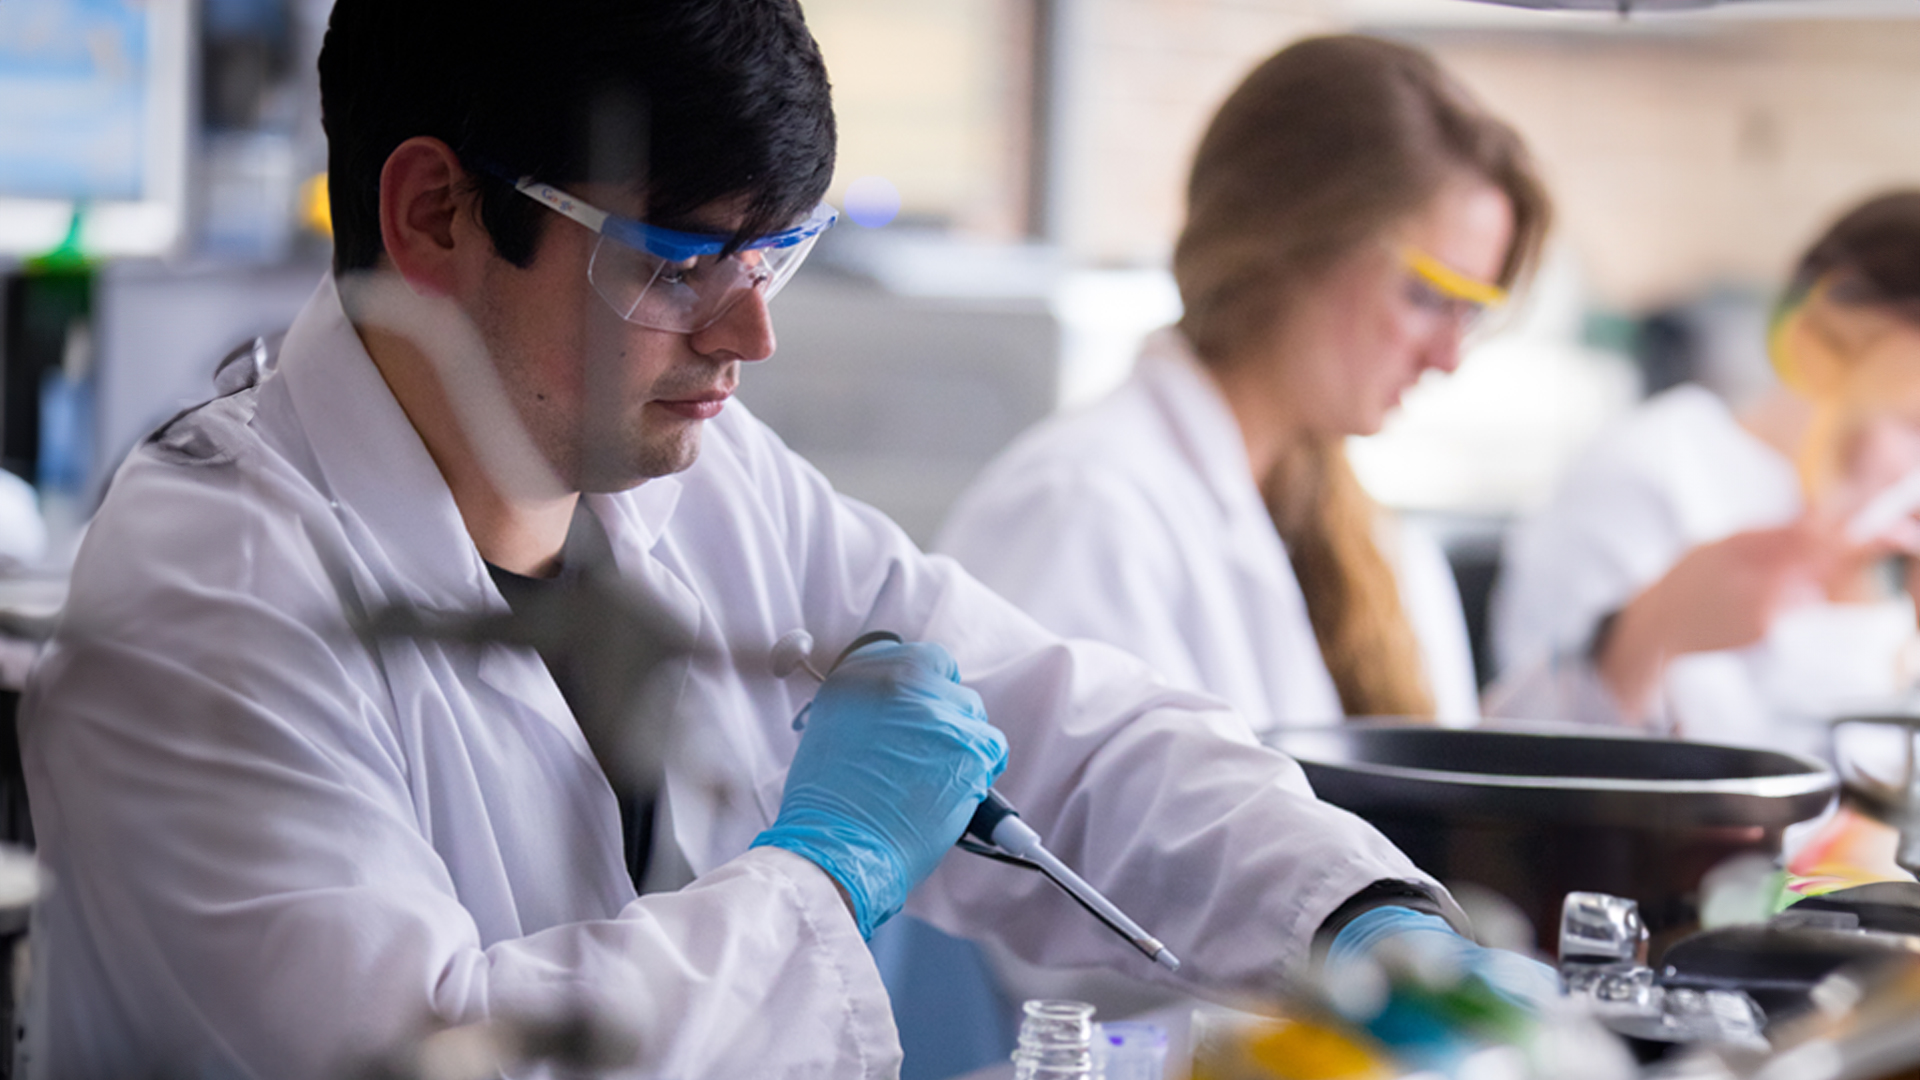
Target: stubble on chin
x=638, y=458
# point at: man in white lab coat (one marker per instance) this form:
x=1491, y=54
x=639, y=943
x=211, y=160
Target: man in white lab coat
x=282, y=849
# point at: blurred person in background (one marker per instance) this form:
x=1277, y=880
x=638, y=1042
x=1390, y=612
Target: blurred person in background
x=1723, y=575
x=1351, y=211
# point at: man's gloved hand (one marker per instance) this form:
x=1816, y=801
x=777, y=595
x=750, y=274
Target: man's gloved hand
x=1447, y=1003
x=896, y=757
x=1521, y=980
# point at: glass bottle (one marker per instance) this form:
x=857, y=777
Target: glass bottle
x=1056, y=1042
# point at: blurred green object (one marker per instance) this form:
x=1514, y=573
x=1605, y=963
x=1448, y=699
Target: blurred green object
x=66, y=256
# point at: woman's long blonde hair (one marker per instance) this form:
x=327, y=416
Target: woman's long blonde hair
x=1320, y=150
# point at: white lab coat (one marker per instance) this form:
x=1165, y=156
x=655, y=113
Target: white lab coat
x=277, y=850
x=1137, y=522
x=1678, y=472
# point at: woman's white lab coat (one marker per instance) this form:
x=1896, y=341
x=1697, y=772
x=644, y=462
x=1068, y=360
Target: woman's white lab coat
x=1678, y=472
x=1137, y=522
x=277, y=850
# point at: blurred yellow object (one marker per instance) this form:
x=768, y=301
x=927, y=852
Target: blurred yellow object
x=1303, y=1051
x=316, y=210
x=1245, y=1047
x=1452, y=283
x=1852, y=360
x=1850, y=849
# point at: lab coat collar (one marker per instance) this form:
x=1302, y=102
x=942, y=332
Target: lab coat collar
x=373, y=461
x=373, y=464
x=388, y=493
x=636, y=518
x=1202, y=424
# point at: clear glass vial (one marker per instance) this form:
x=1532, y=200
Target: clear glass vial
x=1056, y=1042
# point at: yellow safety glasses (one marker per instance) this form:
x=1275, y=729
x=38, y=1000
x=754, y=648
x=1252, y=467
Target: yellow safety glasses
x=1435, y=286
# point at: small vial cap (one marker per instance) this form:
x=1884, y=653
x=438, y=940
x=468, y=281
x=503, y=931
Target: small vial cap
x=1596, y=928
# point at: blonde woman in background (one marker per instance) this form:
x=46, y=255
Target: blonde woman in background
x=1351, y=211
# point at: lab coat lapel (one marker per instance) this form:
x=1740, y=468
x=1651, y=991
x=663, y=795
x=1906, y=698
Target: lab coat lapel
x=393, y=502
x=373, y=463
x=709, y=750
x=1205, y=430
x=634, y=521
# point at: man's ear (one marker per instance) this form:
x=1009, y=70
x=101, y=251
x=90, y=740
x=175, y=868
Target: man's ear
x=424, y=196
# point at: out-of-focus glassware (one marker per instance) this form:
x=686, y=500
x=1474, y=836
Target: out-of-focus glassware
x=1056, y=1042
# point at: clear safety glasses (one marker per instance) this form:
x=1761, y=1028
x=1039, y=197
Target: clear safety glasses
x=1434, y=286
x=664, y=279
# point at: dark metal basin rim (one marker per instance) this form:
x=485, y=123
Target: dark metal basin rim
x=1534, y=773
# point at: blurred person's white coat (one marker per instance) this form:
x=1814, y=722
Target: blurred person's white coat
x=1137, y=522
x=1678, y=472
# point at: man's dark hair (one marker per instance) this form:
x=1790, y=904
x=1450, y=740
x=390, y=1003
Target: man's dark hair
x=687, y=102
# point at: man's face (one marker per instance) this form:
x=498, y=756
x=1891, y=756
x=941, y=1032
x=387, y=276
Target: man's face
x=608, y=403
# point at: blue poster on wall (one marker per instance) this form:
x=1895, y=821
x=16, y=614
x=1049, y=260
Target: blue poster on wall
x=73, y=75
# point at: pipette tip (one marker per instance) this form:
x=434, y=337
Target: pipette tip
x=1166, y=959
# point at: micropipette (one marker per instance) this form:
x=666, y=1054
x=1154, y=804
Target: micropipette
x=996, y=830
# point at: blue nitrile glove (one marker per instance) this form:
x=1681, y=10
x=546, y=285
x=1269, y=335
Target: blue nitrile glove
x=896, y=757
x=1446, y=990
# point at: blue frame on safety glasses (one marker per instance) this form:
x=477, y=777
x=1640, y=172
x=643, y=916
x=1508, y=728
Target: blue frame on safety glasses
x=680, y=282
